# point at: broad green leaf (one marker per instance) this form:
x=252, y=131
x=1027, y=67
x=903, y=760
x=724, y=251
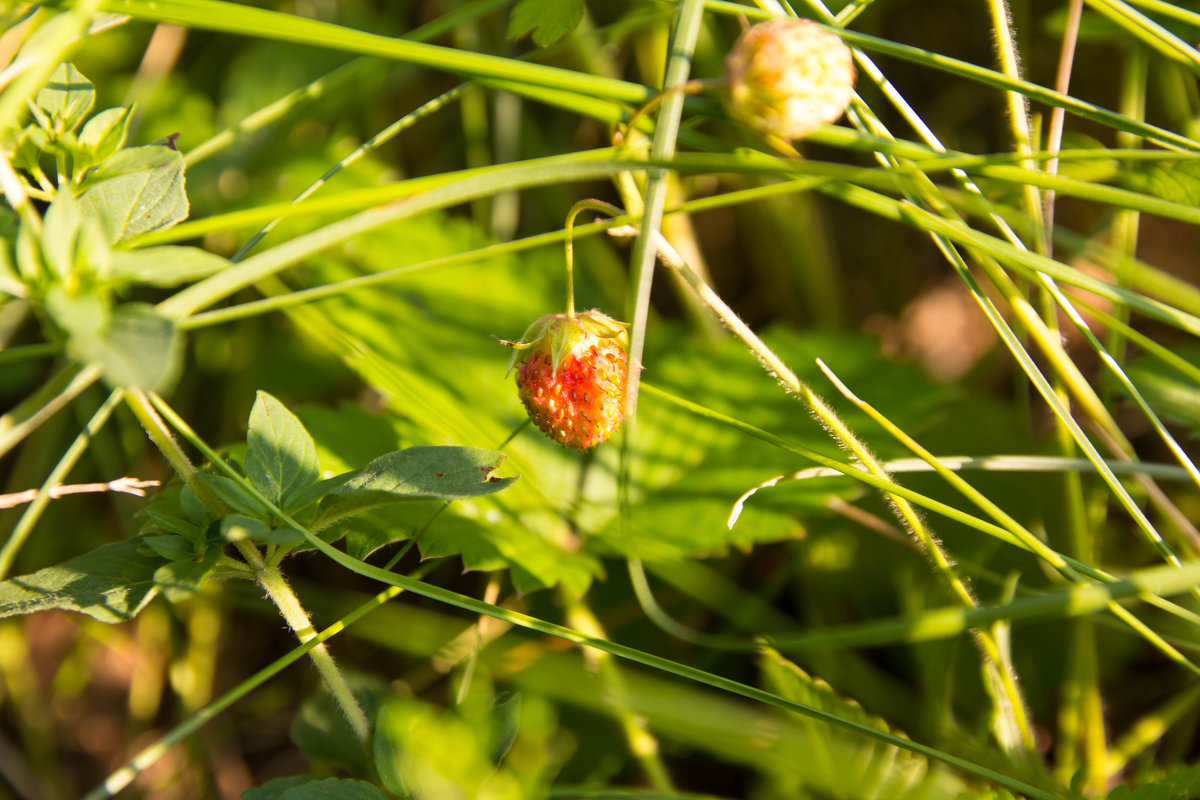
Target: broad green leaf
x=281, y=458
x=138, y=347
x=59, y=232
x=111, y=584
x=837, y=762
x=104, y=134
x=438, y=754
x=231, y=493
x=506, y=710
x=386, y=764
x=335, y=789
x=179, y=580
x=1181, y=783
x=324, y=736
x=66, y=98
x=549, y=20
x=417, y=473
x=139, y=189
x=172, y=547
x=82, y=317
x=1169, y=392
x=274, y=789
x=75, y=248
x=164, y=266
x=29, y=255
x=1177, y=182
x=235, y=527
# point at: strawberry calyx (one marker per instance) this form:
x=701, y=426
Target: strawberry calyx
x=560, y=334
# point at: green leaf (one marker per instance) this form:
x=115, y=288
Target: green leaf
x=506, y=710
x=82, y=317
x=324, y=736
x=549, y=20
x=137, y=347
x=275, y=788
x=59, y=232
x=236, y=527
x=837, y=762
x=1178, y=182
x=440, y=754
x=139, y=189
x=104, y=134
x=335, y=789
x=386, y=762
x=165, y=266
x=416, y=473
x=172, y=547
x=281, y=458
x=66, y=98
x=233, y=495
x=1181, y=783
x=111, y=584
x=1168, y=391
x=179, y=580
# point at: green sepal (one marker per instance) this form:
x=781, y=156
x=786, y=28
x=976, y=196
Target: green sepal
x=560, y=334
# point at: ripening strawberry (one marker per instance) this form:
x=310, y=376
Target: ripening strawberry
x=787, y=77
x=571, y=376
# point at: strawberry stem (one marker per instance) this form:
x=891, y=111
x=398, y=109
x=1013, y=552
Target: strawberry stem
x=582, y=205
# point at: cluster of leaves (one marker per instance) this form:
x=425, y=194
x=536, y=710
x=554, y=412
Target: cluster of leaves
x=184, y=539
x=73, y=262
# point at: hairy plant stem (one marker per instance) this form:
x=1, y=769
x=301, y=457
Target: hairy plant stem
x=268, y=575
x=994, y=654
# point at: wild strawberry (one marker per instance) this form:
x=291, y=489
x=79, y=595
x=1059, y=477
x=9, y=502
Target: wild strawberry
x=571, y=376
x=787, y=77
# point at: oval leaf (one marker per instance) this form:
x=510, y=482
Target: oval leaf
x=138, y=347
x=67, y=97
x=140, y=189
x=281, y=458
x=165, y=266
x=416, y=473
x=111, y=584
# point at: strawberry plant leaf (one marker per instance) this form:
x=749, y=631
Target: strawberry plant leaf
x=506, y=711
x=1172, y=394
x=384, y=751
x=335, y=789
x=179, y=580
x=104, y=134
x=66, y=98
x=275, y=788
x=111, y=584
x=281, y=458
x=416, y=473
x=165, y=266
x=548, y=20
x=138, y=190
x=837, y=758
x=233, y=495
x=137, y=346
x=172, y=547
x=1178, y=182
x=324, y=736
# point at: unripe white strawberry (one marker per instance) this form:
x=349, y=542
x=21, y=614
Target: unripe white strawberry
x=787, y=77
